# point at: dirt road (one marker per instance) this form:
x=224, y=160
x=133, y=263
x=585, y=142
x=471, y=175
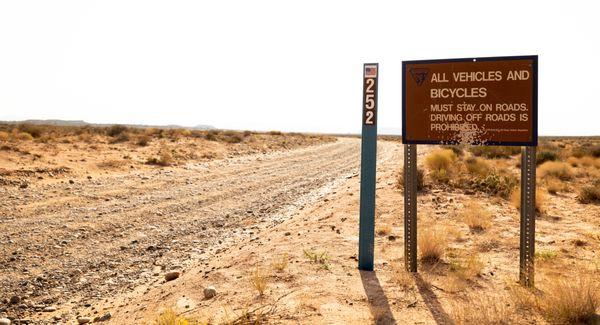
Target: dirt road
x=68, y=244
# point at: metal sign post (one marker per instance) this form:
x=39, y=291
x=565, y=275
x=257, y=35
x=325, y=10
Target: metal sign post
x=527, y=236
x=368, y=168
x=410, y=207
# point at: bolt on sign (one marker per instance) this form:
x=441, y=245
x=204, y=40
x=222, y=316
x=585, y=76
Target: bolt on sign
x=481, y=101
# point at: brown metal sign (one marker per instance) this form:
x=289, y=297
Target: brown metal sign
x=480, y=101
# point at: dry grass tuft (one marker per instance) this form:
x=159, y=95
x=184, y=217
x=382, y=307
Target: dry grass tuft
x=280, y=264
x=540, y=199
x=570, y=301
x=420, y=180
x=169, y=317
x=590, y=193
x=432, y=245
x=477, y=166
x=467, y=268
x=477, y=218
x=259, y=280
x=165, y=158
x=555, y=169
x=321, y=258
x=555, y=185
x=495, y=151
x=383, y=230
x=439, y=163
x=483, y=309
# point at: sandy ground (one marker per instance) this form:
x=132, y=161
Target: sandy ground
x=103, y=245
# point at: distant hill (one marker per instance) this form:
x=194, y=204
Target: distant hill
x=84, y=123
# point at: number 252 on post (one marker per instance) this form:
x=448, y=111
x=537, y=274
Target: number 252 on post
x=370, y=94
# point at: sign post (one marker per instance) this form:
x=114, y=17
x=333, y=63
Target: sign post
x=410, y=207
x=471, y=101
x=527, y=234
x=368, y=167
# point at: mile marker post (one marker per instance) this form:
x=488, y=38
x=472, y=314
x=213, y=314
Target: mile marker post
x=367, y=168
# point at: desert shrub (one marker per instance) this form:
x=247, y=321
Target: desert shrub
x=494, y=151
x=122, y=137
x=477, y=166
x=570, y=301
x=4, y=136
x=540, y=199
x=143, y=140
x=34, y=130
x=586, y=150
x=586, y=161
x=495, y=183
x=432, y=244
x=23, y=136
x=441, y=159
x=555, y=185
x=211, y=135
x=248, y=133
x=477, y=218
x=457, y=149
x=165, y=158
x=574, y=162
x=232, y=137
x=116, y=130
x=545, y=155
x=275, y=132
x=439, y=162
x=590, y=193
x=420, y=180
x=555, y=169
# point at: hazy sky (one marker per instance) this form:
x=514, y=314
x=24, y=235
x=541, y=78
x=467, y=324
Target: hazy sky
x=278, y=65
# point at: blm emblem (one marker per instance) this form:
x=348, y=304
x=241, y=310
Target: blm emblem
x=419, y=75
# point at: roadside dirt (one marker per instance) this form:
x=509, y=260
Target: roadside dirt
x=289, y=219
x=69, y=245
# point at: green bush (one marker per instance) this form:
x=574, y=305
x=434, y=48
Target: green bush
x=544, y=156
x=494, y=151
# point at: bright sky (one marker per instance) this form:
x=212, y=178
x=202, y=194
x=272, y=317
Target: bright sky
x=278, y=65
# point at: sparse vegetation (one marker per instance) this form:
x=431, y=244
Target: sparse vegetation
x=482, y=310
x=477, y=166
x=477, y=218
x=540, y=199
x=467, y=268
x=383, y=230
x=280, y=264
x=320, y=258
x=432, y=245
x=546, y=155
x=259, y=280
x=545, y=256
x=493, y=152
x=439, y=163
x=590, y=193
x=169, y=317
x=555, y=185
x=570, y=301
x=555, y=169
x=420, y=180
x=165, y=158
